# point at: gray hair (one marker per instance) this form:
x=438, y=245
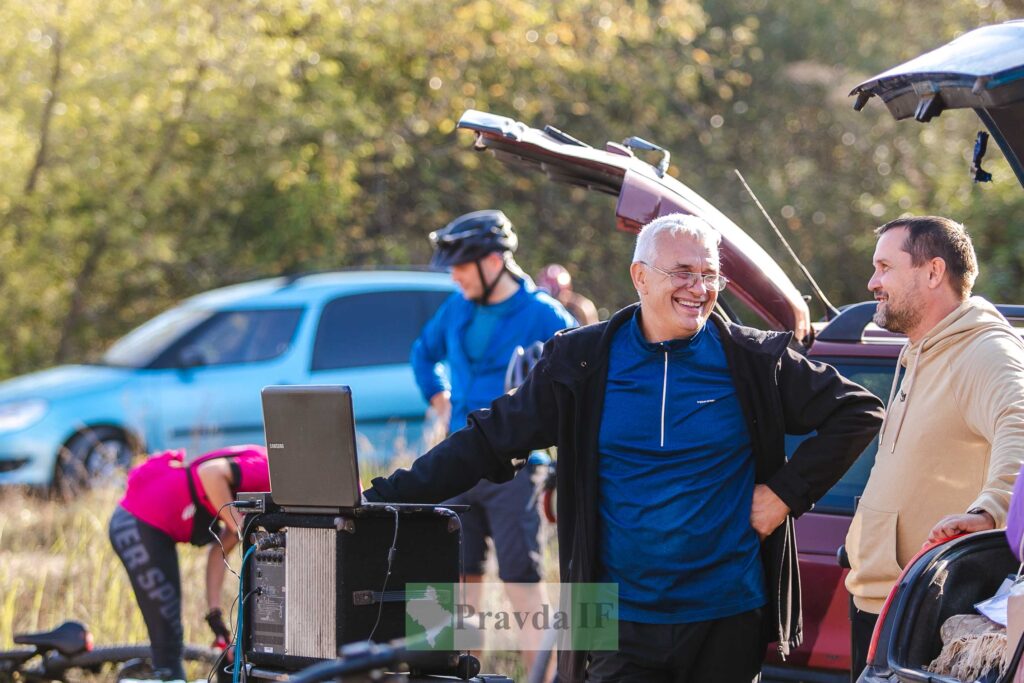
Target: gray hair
x=673, y=224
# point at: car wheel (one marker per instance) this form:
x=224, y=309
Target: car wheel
x=95, y=457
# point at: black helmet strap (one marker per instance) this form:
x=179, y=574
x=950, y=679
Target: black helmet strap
x=487, y=287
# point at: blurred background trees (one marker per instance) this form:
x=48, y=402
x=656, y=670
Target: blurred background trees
x=152, y=150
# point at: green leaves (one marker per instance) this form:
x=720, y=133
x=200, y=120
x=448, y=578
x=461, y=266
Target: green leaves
x=152, y=150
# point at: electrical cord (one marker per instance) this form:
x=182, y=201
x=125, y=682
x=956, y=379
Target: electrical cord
x=392, y=551
x=238, y=663
x=224, y=557
x=231, y=643
x=234, y=637
x=216, y=665
x=216, y=536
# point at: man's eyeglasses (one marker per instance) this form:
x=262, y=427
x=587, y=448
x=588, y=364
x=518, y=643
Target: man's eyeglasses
x=684, y=278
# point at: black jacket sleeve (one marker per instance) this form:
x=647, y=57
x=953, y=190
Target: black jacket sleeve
x=494, y=438
x=844, y=415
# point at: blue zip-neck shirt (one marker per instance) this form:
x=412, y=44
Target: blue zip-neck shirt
x=676, y=482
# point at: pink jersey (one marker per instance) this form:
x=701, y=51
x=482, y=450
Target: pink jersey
x=158, y=489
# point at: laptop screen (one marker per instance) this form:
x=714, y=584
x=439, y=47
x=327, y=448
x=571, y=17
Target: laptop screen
x=311, y=446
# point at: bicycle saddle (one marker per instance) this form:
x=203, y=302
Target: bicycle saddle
x=69, y=639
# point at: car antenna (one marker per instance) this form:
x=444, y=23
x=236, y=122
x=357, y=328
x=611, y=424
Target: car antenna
x=831, y=311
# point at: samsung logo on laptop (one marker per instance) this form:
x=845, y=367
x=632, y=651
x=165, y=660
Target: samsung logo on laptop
x=275, y=445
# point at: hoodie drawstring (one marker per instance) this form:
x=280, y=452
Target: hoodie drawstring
x=892, y=395
x=908, y=380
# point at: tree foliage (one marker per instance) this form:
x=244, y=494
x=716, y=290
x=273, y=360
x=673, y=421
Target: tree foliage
x=151, y=150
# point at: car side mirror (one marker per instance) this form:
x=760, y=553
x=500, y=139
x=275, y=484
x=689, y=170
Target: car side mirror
x=191, y=357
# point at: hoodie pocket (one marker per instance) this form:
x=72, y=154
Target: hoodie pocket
x=871, y=544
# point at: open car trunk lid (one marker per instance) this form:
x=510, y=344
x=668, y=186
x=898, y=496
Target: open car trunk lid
x=982, y=70
x=644, y=193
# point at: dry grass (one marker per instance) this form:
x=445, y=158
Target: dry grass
x=56, y=564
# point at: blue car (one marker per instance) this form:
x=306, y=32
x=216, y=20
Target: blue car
x=191, y=377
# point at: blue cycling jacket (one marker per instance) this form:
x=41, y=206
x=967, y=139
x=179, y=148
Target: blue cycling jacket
x=532, y=316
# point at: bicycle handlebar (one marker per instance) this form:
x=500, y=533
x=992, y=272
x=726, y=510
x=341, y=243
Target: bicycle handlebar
x=362, y=657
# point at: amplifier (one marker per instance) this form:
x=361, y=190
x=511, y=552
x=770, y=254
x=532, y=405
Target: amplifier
x=316, y=582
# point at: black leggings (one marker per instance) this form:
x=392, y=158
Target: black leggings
x=152, y=563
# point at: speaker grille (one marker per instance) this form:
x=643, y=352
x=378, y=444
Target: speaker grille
x=311, y=593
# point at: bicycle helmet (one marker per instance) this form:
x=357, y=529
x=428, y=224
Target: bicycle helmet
x=472, y=236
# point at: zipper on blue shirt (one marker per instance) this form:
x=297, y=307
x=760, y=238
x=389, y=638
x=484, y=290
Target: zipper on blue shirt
x=664, y=391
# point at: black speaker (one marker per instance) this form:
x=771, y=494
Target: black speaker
x=316, y=582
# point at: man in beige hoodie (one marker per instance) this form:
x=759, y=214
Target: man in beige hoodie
x=953, y=438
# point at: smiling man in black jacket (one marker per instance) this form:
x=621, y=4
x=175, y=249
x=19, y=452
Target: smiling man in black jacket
x=673, y=479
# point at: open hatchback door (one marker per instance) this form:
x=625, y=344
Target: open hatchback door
x=644, y=193
x=982, y=70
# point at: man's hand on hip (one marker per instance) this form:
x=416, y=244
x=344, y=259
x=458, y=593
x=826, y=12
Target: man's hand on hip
x=767, y=511
x=954, y=525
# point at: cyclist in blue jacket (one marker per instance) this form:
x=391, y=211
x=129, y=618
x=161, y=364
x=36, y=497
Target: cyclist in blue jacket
x=476, y=332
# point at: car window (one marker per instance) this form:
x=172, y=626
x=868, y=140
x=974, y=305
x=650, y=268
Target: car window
x=234, y=337
x=141, y=346
x=376, y=328
x=876, y=377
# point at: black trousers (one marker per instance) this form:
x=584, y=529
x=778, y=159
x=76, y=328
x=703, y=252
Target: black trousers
x=862, y=626
x=150, y=557
x=727, y=650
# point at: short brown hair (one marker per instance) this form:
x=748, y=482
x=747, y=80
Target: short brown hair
x=934, y=236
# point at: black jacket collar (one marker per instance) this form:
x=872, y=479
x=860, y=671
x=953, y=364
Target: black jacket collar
x=581, y=351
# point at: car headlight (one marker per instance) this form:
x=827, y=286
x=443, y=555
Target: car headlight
x=21, y=414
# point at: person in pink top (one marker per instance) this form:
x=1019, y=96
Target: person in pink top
x=169, y=500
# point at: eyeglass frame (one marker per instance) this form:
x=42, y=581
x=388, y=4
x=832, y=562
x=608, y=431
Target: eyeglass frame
x=712, y=283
